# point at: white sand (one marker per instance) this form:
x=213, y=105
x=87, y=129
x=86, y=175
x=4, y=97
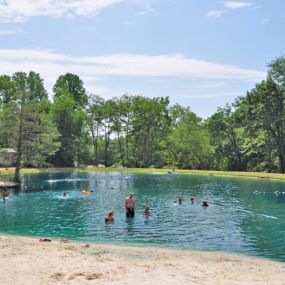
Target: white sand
x=28, y=261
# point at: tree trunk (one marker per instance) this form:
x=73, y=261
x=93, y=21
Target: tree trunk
x=19, y=143
x=281, y=163
x=120, y=148
x=96, y=144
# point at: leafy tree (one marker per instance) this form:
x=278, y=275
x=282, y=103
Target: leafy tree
x=71, y=85
x=188, y=144
x=227, y=137
x=70, y=100
x=150, y=126
x=264, y=115
x=95, y=118
x=35, y=133
x=7, y=90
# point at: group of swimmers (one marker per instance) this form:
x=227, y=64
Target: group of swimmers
x=192, y=202
x=130, y=208
x=84, y=192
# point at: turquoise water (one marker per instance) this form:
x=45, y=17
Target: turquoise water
x=245, y=215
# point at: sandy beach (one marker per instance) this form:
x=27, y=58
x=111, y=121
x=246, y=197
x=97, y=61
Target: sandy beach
x=28, y=261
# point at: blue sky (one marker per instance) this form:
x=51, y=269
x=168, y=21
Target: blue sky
x=201, y=54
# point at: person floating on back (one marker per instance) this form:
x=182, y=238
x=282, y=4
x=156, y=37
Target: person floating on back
x=130, y=206
x=5, y=194
x=109, y=218
x=147, y=212
x=205, y=204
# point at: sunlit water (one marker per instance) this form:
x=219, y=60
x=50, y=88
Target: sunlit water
x=245, y=215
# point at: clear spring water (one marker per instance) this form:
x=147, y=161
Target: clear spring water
x=245, y=215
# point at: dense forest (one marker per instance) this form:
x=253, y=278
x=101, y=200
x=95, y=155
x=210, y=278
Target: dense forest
x=76, y=128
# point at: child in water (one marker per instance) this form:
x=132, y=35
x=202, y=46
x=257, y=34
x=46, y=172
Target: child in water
x=109, y=218
x=205, y=204
x=147, y=212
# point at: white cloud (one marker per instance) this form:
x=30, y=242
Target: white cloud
x=21, y=10
x=7, y=32
x=147, y=11
x=237, y=4
x=51, y=64
x=216, y=13
x=213, y=95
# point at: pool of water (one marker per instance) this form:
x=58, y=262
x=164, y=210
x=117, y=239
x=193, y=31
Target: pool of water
x=245, y=215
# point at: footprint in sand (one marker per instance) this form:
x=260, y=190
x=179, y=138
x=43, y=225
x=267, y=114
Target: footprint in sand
x=94, y=276
x=57, y=276
x=88, y=276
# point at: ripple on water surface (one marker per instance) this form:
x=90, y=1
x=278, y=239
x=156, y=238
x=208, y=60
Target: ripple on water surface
x=245, y=215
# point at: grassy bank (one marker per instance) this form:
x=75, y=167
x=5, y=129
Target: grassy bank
x=8, y=172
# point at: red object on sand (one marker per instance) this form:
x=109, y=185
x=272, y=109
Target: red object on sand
x=44, y=240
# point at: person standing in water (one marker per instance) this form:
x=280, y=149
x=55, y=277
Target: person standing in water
x=5, y=194
x=130, y=206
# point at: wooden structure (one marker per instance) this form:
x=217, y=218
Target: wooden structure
x=7, y=157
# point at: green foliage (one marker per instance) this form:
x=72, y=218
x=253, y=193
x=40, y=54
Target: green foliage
x=71, y=85
x=70, y=118
x=188, y=144
x=7, y=90
x=150, y=126
x=25, y=123
x=227, y=137
x=136, y=131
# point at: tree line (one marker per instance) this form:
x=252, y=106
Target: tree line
x=76, y=128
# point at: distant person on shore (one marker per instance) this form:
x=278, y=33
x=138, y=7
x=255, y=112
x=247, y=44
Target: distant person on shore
x=5, y=194
x=109, y=218
x=147, y=212
x=205, y=204
x=130, y=206
x=192, y=200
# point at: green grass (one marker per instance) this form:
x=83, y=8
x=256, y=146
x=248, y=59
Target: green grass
x=5, y=172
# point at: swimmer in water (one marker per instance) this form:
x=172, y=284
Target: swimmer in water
x=64, y=194
x=179, y=201
x=109, y=218
x=192, y=200
x=147, y=212
x=205, y=204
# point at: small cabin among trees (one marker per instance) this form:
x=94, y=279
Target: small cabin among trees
x=7, y=157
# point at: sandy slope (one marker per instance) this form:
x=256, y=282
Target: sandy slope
x=27, y=261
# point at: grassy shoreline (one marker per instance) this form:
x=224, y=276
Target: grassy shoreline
x=272, y=176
